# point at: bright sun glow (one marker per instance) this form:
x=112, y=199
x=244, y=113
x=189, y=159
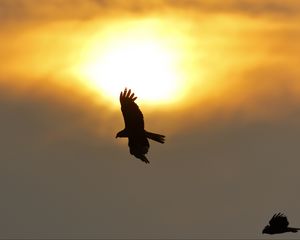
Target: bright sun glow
x=137, y=58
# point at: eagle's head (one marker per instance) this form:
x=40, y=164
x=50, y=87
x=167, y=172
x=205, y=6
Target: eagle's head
x=122, y=133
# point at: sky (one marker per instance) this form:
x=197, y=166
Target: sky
x=219, y=78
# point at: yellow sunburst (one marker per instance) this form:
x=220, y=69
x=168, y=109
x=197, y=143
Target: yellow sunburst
x=136, y=56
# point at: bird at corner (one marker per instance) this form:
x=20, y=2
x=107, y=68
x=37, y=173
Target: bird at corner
x=134, y=127
x=279, y=224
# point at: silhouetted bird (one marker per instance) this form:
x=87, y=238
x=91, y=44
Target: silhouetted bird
x=279, y=224
x=134, y=127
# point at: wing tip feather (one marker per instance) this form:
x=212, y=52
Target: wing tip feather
x=127, y=94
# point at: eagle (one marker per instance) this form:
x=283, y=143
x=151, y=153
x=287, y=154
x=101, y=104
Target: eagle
x=279, y=224
x=134, y=127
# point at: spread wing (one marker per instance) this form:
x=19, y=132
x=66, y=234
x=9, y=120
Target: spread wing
x=279, y=221
x=133, y=116
x=139, y=146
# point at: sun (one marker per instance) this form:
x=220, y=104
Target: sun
x=138, y=58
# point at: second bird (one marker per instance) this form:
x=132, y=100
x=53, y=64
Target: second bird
x=279, y=224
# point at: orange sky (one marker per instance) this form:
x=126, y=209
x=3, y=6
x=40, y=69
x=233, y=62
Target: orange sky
x=238, y=56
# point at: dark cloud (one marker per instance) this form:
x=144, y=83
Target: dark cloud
x=222, y=179
x=29, y=10
x=250, y=7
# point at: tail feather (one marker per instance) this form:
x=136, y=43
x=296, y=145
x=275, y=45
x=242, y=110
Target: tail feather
x=294, y=229
x=155, y=137
x=142, y=157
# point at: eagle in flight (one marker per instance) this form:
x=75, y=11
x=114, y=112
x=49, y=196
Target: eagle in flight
x=279, y=224
x=134, y=127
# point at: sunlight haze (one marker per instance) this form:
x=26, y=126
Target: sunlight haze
x=136, y=55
